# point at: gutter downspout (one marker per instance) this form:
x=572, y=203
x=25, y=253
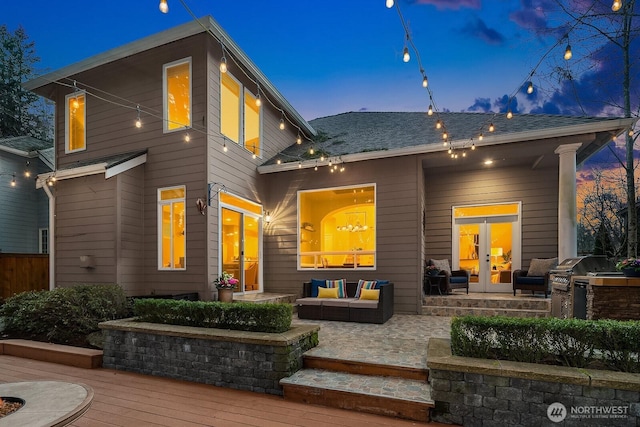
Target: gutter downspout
x=52, y=235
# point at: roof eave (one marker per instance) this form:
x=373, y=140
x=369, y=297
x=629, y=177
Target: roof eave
x=613, y=126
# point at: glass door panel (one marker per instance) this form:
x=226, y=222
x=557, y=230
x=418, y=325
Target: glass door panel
x=231, y=243
x=251, y=253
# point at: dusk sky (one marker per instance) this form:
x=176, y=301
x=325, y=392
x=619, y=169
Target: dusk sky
x=331, y=57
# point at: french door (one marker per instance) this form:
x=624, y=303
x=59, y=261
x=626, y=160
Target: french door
x=240, y=246
x=486, y=242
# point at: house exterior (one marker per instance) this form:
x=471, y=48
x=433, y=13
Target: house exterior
x=24, y=219
x=145, y=208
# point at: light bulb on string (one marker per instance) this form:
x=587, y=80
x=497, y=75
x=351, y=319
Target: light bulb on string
x=163, y=6
x=450, y=150
x=567, y=53
x=445, y=143
x=530, y=88
x=491, y=127
x=509, y=114
x=389, y=4
x=224, y=147
x=258, y=100
x=223, y=63
x=299, y=140
x=315, y=168
x=464, y=153
x=13, y=180
x=445, y=135
x=322, y=158
x=187, y=138
x=630, y=132
x=299, y=165
x=253, y=156
x=425, y=82
x=480, y=137
x=281, y=124
x=430, y=110
x=311, y=151
x=138, y=121
x=342, y=169
x=616, y=6
x=438, y=124
x=278, y=161
x=473, y=146
x=405, y=55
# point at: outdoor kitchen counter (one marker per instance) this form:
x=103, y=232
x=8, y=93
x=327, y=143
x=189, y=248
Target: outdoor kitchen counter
x=612, y=297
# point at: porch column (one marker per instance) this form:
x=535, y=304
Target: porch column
x=567, y=211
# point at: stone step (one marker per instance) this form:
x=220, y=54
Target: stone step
x=381, y=395
x=365, y=368
x=518, y=303
x=447, y=311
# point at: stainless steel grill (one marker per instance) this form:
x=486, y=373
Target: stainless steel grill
x=567, y=302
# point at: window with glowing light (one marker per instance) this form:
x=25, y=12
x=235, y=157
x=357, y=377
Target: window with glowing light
x=172, y=253
x=75, y=122
x=177, y=95
x=337, y=228
x=240, y=116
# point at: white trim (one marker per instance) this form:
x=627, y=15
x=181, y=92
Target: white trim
x=170, y=202
x=125, y=166
x=239, y=112
x=243, y=125
x=165, y=113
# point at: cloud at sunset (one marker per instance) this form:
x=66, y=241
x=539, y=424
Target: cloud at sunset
x=478, y=28
x=450, y=4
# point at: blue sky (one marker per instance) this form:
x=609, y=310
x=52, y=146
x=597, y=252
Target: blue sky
x=325, y=57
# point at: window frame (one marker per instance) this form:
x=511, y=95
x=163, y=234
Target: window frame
x=170, y=202
x=242, y=115
x=165, y=94
x=319, y=264
x=67, y=122
x=43, y=240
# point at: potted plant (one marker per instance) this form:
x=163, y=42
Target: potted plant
x=630, y=267
x=226, y=284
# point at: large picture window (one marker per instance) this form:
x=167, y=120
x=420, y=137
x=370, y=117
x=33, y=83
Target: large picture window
x=337, y=228
x=240, y=116
x=177, y=94
x=75, y=122
x=172, y=229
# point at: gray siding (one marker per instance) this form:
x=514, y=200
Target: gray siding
x=130, y=235
x=398, y=226
x=23, y=207
x=537, y=189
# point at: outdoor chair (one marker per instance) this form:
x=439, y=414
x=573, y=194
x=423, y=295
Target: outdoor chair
x=536, y=278
x=454, y=279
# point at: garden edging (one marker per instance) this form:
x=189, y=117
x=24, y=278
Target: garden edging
x=254, y=361
x=468, y=390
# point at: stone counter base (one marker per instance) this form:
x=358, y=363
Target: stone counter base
x=480, y=392
x=235, y=359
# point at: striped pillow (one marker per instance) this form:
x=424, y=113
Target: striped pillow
x=340, y=284
x=364, y=284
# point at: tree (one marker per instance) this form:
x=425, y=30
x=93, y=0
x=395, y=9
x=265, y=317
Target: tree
x=609, y=33
x=22, y=113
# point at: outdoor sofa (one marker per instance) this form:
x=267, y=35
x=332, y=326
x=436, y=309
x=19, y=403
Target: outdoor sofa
x=347, y=308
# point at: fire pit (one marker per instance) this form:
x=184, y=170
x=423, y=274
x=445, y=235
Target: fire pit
x=44, y=403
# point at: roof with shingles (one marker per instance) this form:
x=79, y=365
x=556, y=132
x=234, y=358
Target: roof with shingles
x=109, y=161
x=360, y=132
x=25, y=143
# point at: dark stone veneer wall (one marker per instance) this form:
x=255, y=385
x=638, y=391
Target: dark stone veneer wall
x=234, y=359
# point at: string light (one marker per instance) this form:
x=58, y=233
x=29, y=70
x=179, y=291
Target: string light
x=530, y=88
x=425, y=82
x=445, y=135
x=481, y=137
x=299, y=165
x=509, y=114
x=187, y=138
x=278, y=161
x=389, y=4
x=491, y=127
x=299, y=140
x=13, y=181
x=138, y=121
x=311, y=151
x=27, y=172
x=430, y=110
x=567, y=53
x=405, y=55
x=163, y=6
x=473, y=146
x=438, y=124
x=223, y=61
x=322, y=158
x=617, y=4
x=258, y=100
x=224, y=146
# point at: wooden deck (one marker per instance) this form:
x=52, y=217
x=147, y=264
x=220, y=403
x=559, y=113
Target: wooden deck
x=128, y=399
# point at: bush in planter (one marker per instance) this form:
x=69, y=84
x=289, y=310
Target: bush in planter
x=243, y=316
x=63, y=315
x=580, y=343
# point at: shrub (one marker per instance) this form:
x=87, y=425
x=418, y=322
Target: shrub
x=239, y=316
x=578, y=343
x=63, y=315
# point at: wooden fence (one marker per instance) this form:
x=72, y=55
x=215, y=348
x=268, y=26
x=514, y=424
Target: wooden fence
x=23, y=272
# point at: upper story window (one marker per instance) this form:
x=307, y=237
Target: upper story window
x=337, y=228
x=177, y=94
x=240, y=116
x=172, y=241
x=75, y=136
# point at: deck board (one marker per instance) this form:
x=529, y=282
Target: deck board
x=128, y=399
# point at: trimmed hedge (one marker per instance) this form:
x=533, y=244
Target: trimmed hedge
x=63, y=315
x=600, y=344
x=242, y=316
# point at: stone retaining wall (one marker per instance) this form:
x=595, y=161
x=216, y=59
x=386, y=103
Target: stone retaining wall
x=613, y=302
x=480, y=392
x=236, y=359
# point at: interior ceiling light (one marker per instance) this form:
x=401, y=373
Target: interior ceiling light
x=163, y=6
x=615, y=6
x=567, y=53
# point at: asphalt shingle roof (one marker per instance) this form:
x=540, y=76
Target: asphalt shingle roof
x=358, y=132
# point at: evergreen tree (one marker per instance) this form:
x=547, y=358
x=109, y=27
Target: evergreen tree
x=22, y=113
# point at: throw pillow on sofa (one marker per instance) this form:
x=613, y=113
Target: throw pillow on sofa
x=370, y=294
x=327, y=292
x=315, y=284
x=540, y=267
x=365, y=284
x=341, y=284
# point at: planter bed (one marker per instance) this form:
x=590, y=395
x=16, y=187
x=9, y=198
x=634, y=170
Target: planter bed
x=254, y=361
